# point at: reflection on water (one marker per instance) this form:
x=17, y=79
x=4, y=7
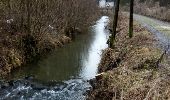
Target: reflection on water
x=78, y=59
x=90, y=64
x=63, y=74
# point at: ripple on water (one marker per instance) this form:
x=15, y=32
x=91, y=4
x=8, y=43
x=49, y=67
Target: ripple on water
x=84, y=64
x=29, y=89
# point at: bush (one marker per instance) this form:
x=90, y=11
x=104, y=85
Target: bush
x=152, y=9
x=42, y=16
x=31, y=27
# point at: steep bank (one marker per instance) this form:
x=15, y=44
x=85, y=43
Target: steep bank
x=135, y=69
x=17, y=50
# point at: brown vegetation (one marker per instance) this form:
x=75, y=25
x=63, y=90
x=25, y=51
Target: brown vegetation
x=153, y=9
x=42, y=15
x=131, y=71
x=29, y=28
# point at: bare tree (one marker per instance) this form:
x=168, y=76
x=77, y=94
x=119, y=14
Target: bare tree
x=35, y=16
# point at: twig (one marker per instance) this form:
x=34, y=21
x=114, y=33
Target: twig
x=153, y=87
x=161, y=57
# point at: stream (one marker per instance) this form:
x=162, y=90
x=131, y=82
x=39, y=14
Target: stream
x=62, y=74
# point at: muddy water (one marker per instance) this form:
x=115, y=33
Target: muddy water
x=63, y=74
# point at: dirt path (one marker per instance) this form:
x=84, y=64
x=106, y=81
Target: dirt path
x=159, y=28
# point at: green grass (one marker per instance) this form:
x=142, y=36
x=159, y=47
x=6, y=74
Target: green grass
x=156, y=24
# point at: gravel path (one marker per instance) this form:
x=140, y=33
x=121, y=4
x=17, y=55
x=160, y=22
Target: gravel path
x=159, y=28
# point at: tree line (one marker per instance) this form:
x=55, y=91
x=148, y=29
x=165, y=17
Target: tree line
x=159, y=9
x=31, y=28
x=37, y=16
x=163, y=3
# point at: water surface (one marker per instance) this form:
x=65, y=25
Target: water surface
x=63, y=74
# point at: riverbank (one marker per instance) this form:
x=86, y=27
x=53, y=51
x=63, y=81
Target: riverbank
x=17, y=50
x=135, y=69
x=33, y=28
x=63, y=73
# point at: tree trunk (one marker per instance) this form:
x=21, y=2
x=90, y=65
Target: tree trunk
x=112, y=39
x=131, y=19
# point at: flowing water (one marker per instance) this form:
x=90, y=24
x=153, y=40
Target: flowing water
x=63, y=74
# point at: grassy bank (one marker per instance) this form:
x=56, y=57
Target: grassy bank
x=134, y=70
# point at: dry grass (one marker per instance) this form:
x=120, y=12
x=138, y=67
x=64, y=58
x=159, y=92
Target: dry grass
x=33, y=28
x=18, y=49
x=130, y=71
x=152, y=9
